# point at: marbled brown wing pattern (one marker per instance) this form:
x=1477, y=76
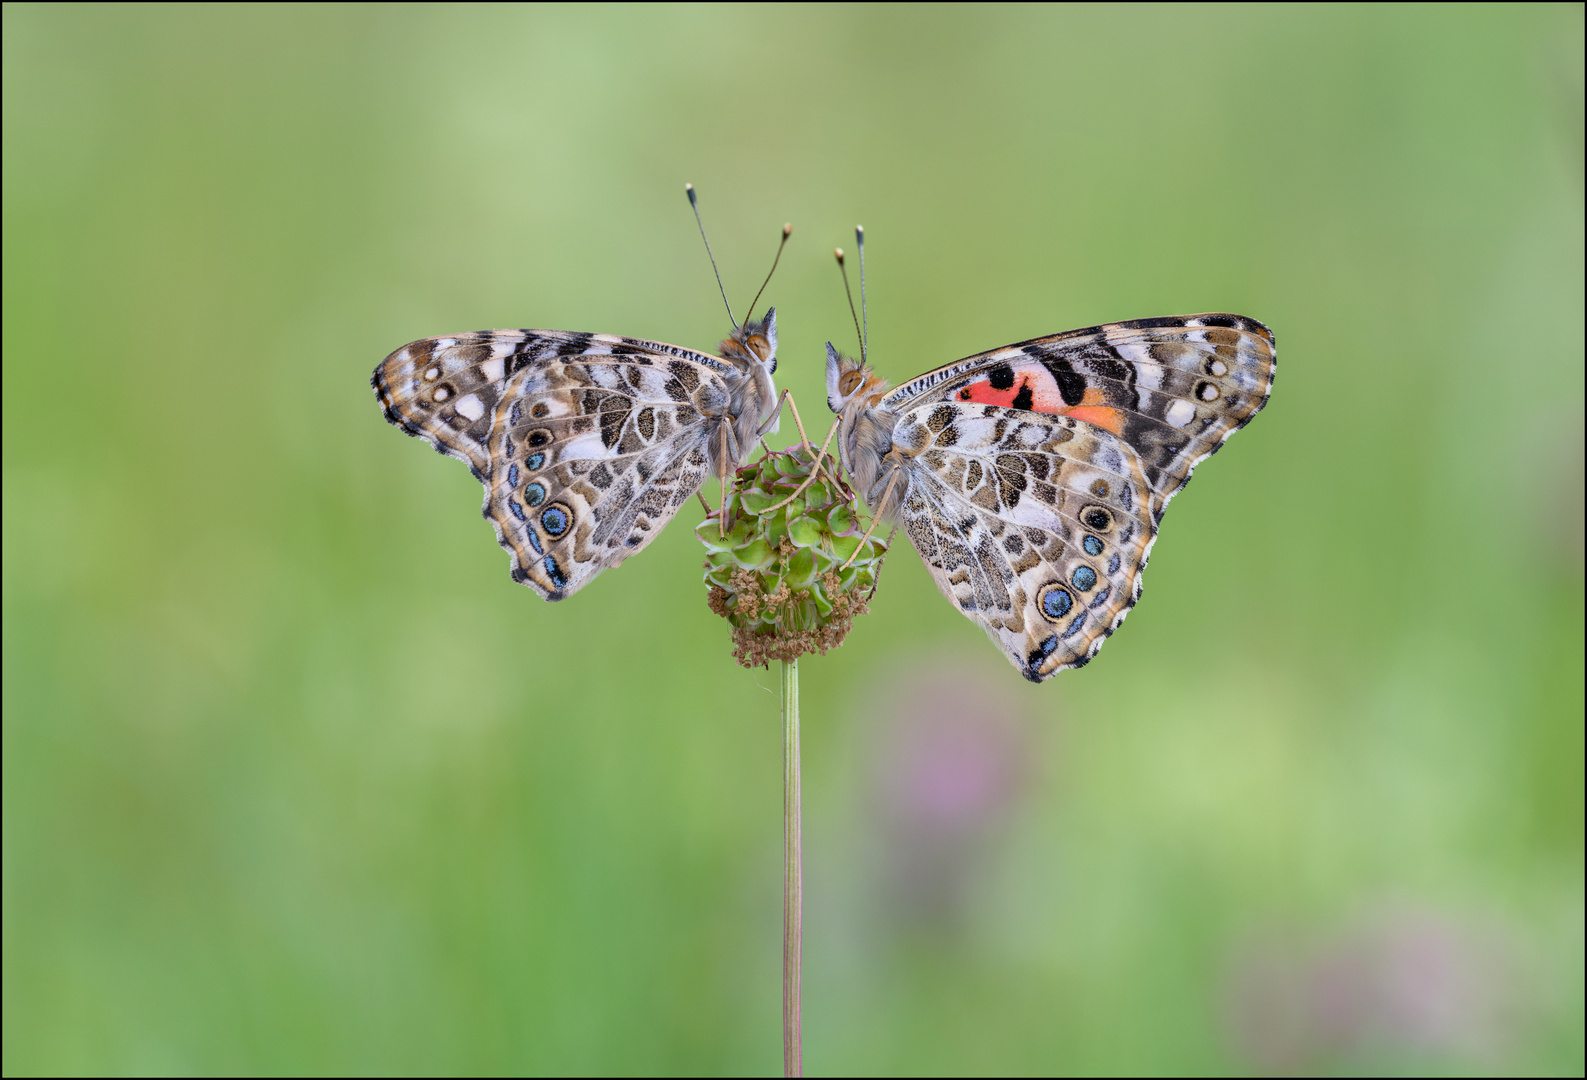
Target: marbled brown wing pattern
x=592, y=456
x=1037, y=527
x=604, y=430
x=1173, y=389
x=1037, y=473
x=444, y=390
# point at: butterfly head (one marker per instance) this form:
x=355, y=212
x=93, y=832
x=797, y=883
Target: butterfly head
x=849, y=380
x=754, y=342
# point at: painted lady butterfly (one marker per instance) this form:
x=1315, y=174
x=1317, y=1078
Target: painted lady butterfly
x=1032, y=478
x=587, y=444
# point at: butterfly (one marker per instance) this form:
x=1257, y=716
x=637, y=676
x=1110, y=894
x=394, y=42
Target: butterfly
x=1032, y=478
x=587, y=444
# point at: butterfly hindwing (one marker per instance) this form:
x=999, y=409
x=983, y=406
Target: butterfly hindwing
x=1037, y=527
x=593, y=454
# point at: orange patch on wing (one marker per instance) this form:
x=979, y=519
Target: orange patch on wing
x=1103, y=416
x=1094, y=409
x=1040, y=394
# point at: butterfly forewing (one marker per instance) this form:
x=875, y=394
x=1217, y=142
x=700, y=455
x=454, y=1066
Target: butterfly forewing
x=445, y=389
x=1172, y=388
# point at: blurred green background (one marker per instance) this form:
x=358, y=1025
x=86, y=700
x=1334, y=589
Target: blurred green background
x=296, y=779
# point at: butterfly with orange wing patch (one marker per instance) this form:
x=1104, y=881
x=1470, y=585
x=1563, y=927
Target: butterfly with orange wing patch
x=1032, y=478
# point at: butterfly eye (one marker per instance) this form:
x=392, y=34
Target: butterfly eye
x=849, y=382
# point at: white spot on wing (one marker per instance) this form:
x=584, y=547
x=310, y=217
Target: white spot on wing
x=493, y=369
x=1218, y=368
x=583, y=446
x=470, y=407
x=1148, y=372
x=1181, y=413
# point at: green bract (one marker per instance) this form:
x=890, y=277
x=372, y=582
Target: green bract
x=778, y=576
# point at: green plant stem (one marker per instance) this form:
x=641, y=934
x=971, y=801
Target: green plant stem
x=793, y=878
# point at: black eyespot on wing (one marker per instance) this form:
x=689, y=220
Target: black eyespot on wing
x=1001, y=377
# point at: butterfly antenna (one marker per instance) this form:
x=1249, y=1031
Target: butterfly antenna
x=787, y=231
x=865, y=319
x=696, y=208
x=850, y=294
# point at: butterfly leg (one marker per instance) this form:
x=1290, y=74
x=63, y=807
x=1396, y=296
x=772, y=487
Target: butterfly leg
x=820, y=463
x=877, y=580
x=721, y=474
x=815, y=472
x=786, y=397
x=886, y=491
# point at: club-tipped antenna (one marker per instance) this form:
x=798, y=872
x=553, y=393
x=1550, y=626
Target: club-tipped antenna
x=865, y=319
x=850, y=294
x=787, y=231
x=696, y=208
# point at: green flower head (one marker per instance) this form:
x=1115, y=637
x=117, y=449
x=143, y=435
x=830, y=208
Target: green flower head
x=790, y=576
